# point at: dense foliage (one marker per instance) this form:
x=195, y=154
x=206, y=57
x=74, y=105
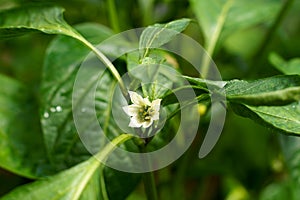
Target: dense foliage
x=255, y=45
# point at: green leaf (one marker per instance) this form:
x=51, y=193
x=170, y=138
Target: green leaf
x=20, y=133
x=123, y=183
x=278, y=191
x=220, y=18
x=277, y=90
x=291, y=154
x=23, y=19
x=286, y=67
x=159, y=34
x=268, y=101
x=50, y=20
x=145, y=67
x=284, y=119
x=64, y=57
x=206, y=84
x=69, y=184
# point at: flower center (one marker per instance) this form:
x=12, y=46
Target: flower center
x=145, y=113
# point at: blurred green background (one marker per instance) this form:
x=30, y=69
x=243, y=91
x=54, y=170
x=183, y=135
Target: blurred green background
x=249, y=161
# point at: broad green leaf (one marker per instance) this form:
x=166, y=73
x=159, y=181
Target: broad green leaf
x=69, y=184
x=159, y=34
x=291, y=154
x=93, y=189
x=63, y=57
x=50, y=20
x=277, y=90
x=45, y=18
x=286, y=67
x=20, y=134
x=272, y=101
x=220, y=18
x=63, y=61
x=146, y=68
x=284, y=119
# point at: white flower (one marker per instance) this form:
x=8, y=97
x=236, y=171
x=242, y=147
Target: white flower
x=142, y=112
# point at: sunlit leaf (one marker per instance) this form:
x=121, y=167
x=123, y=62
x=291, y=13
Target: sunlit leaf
x=64, y=56
x=45, y=18
x=275, y=90
x=69, y=184
x=64, y=145
x=160, y=34
x=50, y=20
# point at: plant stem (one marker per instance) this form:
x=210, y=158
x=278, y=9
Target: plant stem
x=150, y=187
x=113, y=15
x=102, y=183
x=148, y=179
x=270, y=34
x=211, y=44
x=146, y=6
x=201, y=97
x=107, y=63
x=100, y=156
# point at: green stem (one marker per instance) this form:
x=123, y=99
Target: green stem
x=113, y=15
x=178, y=190
x=102, y=155
x=211, y=44
x=106, y=62
x=150, y=187
x=186, y=87
x=148, y=179
x=201, y=97
x=270, y=34
x=112, y=145
x=146, y=6
x=102, y=183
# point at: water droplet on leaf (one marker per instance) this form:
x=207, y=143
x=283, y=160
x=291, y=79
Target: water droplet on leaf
x=58, y=108
x=46, y=115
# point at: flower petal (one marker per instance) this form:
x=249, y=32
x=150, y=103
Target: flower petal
x=156, y=104
x=134, y=122
x=155, y=107
x=155, y=116
x=139, y=105
x=131, y=110
x=146, y=124
x=136, y=98
x=146, y=101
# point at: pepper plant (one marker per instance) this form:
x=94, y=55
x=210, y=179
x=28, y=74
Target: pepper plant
x=140, y=93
